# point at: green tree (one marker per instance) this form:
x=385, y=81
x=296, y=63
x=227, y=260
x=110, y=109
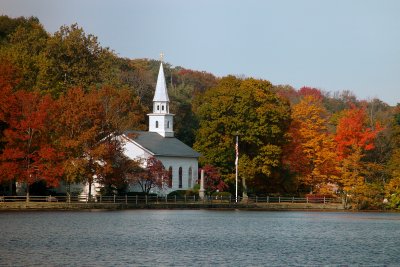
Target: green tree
x=392, y=188
x=73, y=58
x=9, y=25
x=24, y=50
x=250, y=108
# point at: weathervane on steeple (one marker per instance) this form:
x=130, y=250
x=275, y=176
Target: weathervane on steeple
x=161, y=56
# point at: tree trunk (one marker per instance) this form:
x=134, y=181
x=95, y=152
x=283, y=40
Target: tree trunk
x=90, y=189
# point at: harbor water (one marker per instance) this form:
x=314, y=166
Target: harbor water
x=198, y=238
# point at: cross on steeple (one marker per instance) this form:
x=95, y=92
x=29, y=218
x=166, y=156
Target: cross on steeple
x=161, y=56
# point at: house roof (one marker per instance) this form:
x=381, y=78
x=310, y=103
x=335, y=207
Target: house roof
x=161, y=146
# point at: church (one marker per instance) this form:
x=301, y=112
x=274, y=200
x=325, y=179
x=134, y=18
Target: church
x=179, y=159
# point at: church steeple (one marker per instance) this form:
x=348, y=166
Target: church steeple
x=161, y=121
x=161, y=93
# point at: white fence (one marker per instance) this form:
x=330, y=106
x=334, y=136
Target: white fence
x=167, y=199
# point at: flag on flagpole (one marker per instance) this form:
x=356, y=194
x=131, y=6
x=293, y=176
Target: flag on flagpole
x=237, y=151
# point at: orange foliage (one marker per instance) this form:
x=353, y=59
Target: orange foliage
x=310, y=153
x=352, y=132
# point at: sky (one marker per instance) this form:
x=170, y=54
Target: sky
x=333, y=45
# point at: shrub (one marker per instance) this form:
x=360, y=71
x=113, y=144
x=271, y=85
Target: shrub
x=182, y=193
x=221, y=194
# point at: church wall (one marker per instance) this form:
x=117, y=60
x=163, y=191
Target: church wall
x=175, y=163
x=185, y=163
x=134, y=152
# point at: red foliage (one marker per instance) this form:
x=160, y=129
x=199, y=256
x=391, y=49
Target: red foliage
x=9, y=76
x=352, y=132
x=152, y=176
x=308, y=91
x=212, y=179
x=28, y=154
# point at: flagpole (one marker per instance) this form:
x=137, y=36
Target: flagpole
x=237, y=163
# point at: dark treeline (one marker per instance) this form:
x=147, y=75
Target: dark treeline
x=63, y=93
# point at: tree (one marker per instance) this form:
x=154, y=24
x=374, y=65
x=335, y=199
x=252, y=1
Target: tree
x=89, y=126
x=29, y=154
x=352, y=132
x=9, y=25
x=120, y=111
x=354, y=138
x=72, y=58
x=313, y=92
x=24, y=50
x=251, y=109
x=311, y=151
x=153, y=175
x=213, y=180
x=392, y=188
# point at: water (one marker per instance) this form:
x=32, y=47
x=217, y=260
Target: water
x=198, y=238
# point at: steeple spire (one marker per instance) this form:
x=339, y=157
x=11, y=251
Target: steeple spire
x=161, y=93
x=161, y=121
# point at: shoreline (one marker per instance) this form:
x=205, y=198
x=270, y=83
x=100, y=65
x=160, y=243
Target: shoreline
x=50, y=206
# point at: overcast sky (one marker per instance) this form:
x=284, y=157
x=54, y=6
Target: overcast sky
x=332, y=45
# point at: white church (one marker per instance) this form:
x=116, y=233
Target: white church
x=179, y=159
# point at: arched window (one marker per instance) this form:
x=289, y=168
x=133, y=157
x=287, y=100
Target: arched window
x=190, y=178
x=162, y=107
x=180, y=177
x=158, y=107
x=156, y=124
x=170, y=176
x=168, y=124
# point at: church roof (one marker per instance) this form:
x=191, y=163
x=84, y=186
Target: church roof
x=162, y=146
x=161, y=93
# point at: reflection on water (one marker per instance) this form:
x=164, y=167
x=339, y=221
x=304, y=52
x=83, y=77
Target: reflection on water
x=198, y=237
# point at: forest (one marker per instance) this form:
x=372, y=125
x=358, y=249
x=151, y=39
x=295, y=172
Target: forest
x=63, y=97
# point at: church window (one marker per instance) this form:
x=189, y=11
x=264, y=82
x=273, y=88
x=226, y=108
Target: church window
x=168, y=124
x=158, y=107
x=156, y=124
x=180, y=177
x=190, y=178
x=162, y=107
x=170, y=176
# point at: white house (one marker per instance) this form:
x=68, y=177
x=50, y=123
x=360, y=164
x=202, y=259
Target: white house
x=178, y=158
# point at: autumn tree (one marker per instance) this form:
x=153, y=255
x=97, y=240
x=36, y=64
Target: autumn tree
x=89, y=125
x=120, y=111
x=29, y=153
x=213, y=180
x=311, y=150
x=354, y=137
x=251, y=109
x=152, y=175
